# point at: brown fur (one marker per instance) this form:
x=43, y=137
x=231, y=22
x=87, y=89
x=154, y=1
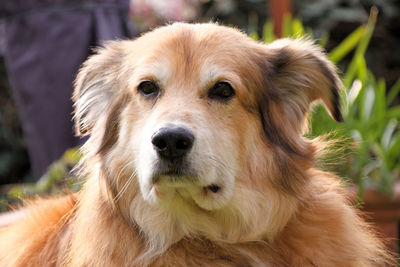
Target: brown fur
x=274, y=207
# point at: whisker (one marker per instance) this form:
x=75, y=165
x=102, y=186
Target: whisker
x=125, y=187
x=120, y=172
x=227, y=168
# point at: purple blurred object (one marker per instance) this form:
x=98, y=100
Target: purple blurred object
x=45, y=43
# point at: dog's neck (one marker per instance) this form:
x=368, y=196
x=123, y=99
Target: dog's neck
x=162, y=227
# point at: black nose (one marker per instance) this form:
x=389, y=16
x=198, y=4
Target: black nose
x=172, y=142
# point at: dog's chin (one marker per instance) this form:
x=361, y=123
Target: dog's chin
x=167, y=189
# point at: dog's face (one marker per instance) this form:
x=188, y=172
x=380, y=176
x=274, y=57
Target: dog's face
x=206, y=122
x=188, y=91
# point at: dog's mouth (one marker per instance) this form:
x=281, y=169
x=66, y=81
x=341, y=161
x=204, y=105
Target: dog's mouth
x=173, y=176
x=181, y=181
x=178, y=178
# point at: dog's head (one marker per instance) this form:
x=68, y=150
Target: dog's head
x=207, y=123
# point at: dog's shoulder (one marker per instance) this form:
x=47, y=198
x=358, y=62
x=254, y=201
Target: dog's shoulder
x=328, y=231
x=39, y=235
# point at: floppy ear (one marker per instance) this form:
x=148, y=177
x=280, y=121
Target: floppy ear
x=95, y=86
x=297, y=73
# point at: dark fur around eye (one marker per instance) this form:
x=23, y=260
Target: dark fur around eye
x=221, y=91
x=148, y=88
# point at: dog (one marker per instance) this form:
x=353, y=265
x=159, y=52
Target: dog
x=196, y=157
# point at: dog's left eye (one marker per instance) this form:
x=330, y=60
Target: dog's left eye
x=221, y=91
x=148, y=88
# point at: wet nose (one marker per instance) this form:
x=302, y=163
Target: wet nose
x=172, y=142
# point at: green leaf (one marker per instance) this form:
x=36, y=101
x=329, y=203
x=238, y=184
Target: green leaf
x=360, y=193
x=72, y=156
x=394, y=92
x=380, y=103
x=297, y=28
x=287, y=25
x=393, y=113
x=393, y=151
x=254, y=36
x=347, y=45
x=358, y=58
x=350, y=74
x=387, y=134
x=361, y=68
x=15, y=192
x=356, y=135
x=268, y=32
x=368, y=104
x=369, y=30
x=354, y=92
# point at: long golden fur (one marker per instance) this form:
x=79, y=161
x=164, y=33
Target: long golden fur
x=246, y=194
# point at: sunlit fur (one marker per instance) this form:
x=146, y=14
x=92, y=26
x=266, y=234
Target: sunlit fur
x=274, y=208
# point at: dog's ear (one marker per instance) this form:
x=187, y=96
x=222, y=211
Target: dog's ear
x=296, y=73
x=95, y=86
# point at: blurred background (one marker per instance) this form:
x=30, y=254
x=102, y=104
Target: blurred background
x=43, y=43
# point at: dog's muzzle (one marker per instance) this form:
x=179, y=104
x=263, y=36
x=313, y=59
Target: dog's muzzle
x=174, y=168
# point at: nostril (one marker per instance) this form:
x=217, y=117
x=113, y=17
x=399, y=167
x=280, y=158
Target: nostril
x=160, y=143
x=182, y=144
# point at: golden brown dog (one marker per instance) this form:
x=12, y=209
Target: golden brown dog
x=196, y=158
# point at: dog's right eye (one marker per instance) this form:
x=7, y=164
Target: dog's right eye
x=148, y=88
x=222, y=91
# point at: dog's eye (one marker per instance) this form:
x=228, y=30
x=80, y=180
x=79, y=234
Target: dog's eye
x=148, y=88
x=221, y=91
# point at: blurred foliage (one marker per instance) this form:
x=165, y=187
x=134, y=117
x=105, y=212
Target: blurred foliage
x=367, y=150
x=14, y=161
x=323, y=15
x=371, y=121
x=58, y=179
x=331, y=21
x=339, y=18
